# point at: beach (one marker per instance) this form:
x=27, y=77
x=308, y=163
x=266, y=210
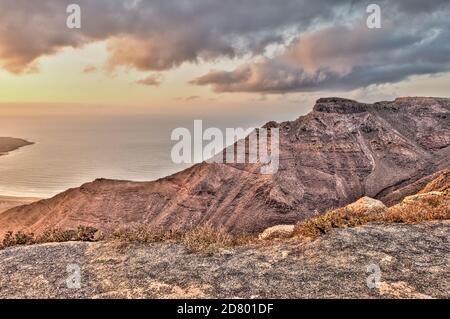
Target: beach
x=9, y=144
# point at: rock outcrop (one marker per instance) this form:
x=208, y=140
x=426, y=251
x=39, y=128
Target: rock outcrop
x=341, y=151
x=279, y=231
x=367, y=205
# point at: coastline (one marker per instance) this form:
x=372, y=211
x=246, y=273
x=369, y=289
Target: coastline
x=9, y=144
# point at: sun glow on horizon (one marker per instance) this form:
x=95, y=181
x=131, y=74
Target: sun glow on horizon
x=80, y=75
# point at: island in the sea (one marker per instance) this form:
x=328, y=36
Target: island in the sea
x=9, y=144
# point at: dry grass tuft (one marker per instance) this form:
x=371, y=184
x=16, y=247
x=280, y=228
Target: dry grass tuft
x=14, y=239
x=140, y=233
x=419, y=208
x=441, y=183
x=86, y=233
x=201, y=239
x=51, y=235
x=206, y=239
x=56, y=235
x=339, y=218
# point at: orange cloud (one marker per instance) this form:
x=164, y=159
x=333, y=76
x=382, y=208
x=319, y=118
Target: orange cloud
x=151, y=80
x=90, y=69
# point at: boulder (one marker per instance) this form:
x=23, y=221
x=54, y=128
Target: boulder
x=367, y=205
x=279, y=231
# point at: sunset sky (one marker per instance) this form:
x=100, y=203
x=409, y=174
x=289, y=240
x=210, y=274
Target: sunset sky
x=161, y=54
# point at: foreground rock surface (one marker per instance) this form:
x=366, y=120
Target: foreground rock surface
x=334, y=266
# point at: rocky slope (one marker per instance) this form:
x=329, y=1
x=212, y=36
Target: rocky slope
x=414, y=262
x=341, y=151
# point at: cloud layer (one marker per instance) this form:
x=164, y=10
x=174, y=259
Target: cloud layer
x=322, y=44
x=347, y=56
x=151, y=34
x=151, y=80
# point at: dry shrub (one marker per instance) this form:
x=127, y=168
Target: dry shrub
x=203, y=239
x=441, y=183
x=51, y=235
x=86, y=233
x=56, y=235
x=339, y=218
x=141, y=234
x=20, y=238
x=206, y=239
x=426, y=207
x=244, y=240
x=24, y=239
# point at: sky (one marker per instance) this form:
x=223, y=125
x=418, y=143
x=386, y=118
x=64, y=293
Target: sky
x=228, y=56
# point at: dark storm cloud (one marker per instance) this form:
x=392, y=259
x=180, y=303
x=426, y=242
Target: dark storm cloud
x=327, y=44
x=347, y=56
x=152, y=34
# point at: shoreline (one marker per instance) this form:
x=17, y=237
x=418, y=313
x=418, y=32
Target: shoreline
x=9, y=144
